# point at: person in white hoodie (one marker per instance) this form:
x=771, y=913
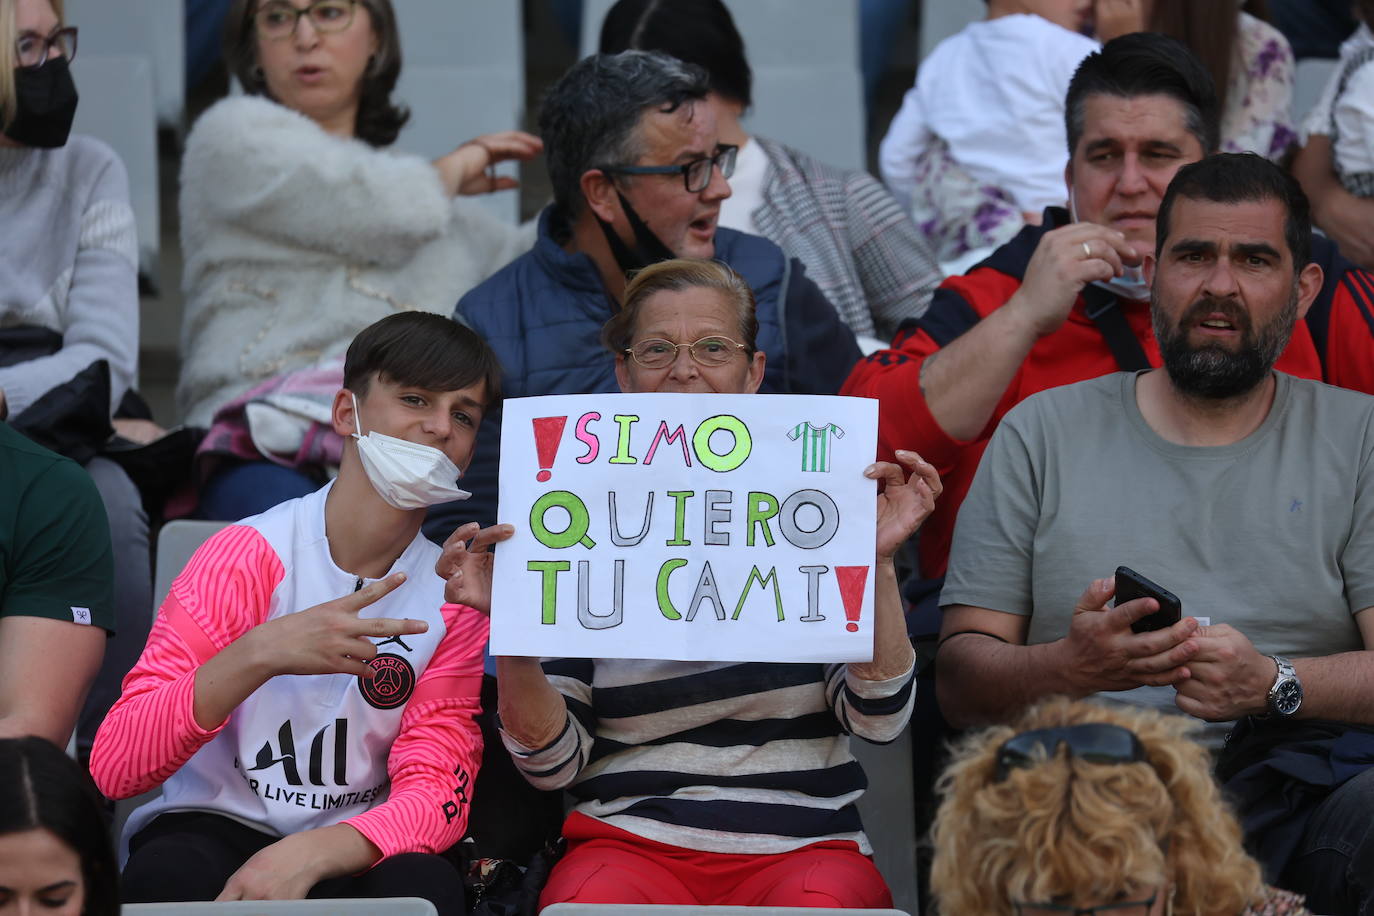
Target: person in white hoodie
x=977, y=148
x=300, y=228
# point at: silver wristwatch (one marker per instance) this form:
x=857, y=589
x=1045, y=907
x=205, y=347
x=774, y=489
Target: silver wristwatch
x=1286, y=695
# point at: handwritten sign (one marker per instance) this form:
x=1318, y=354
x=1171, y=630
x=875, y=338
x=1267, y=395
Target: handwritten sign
x=696, y=527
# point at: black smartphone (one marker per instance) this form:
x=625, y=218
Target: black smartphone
x=1131, y=585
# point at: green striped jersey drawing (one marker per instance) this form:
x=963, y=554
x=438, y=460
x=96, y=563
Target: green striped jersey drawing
x=815, y=444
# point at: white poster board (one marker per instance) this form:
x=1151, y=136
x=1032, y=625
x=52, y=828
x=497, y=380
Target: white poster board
x=695, y=527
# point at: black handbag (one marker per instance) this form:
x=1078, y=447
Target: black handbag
x=73, y=419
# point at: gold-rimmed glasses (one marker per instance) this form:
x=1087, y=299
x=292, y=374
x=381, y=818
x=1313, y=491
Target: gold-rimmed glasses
x=656, y=353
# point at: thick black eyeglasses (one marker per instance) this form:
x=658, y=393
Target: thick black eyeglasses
x=1095, y=742
x=696, y=175
x=278, y=19
x=1122, y=908
x=32, y=50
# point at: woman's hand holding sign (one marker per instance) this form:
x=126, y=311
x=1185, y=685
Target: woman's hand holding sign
x=904, y=503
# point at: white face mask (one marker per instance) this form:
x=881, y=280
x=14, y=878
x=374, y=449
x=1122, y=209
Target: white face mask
x=1131, y=284
x=406, y=475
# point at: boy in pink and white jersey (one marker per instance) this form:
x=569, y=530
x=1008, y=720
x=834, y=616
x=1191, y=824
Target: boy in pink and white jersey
x=307, y=698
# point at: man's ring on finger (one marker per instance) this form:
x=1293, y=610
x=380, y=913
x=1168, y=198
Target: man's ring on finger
x=1087, y=252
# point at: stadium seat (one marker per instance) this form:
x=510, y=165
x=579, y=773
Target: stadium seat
x=153, y=29
x=783, y=33
x=940, y=19
x=117, y=106
x=391, y=906
x=820, y=111
x=1309, y=79
x=449, y=105
x=777, y=33
x=888, y=810
x=175, y=543
x=607, y=909
x=462, y=33
x=808, y=91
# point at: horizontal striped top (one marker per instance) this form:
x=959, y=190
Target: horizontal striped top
x=718, y=757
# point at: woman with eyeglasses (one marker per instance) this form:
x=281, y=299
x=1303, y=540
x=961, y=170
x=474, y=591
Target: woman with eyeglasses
x=300, y=228
x=1081, y=808
x=707, y=782
x=68, y=349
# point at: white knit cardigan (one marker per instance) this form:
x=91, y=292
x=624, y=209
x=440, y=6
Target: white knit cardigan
x=296, y=240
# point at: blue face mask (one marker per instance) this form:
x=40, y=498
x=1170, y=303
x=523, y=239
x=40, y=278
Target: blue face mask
x=1130, y=285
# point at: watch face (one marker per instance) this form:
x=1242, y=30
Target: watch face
x=1287, y=697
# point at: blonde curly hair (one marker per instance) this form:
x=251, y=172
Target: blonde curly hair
x=1069, y=828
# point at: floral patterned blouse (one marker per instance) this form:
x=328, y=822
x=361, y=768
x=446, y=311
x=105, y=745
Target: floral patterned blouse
x=1257, y=115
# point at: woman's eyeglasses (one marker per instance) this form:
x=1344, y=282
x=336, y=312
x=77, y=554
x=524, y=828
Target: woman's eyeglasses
x=278, y=19
x=696, y=175
x=1095, y=742
x=655, y=353
x=32, y=50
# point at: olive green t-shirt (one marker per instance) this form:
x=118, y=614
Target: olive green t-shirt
x=1273, y=534
x=55, y=558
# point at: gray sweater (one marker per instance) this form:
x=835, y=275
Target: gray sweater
x=69, y=263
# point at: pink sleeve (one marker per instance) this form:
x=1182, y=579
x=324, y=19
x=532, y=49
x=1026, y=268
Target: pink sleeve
x=223, y=592
x=434, y=760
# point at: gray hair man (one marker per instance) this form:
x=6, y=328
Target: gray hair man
x=638, y=175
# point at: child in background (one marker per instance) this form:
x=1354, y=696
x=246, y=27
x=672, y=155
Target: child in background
x=1346, y=110
x=978, y=147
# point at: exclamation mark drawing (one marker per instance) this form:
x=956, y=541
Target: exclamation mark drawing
x=851, y=581
x=548, y=432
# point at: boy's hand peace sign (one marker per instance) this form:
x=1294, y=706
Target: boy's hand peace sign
x=331, y=638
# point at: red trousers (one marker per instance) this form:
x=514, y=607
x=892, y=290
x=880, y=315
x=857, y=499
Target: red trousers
x=604, y=864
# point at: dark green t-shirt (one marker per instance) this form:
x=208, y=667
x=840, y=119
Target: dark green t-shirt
x=55, y=558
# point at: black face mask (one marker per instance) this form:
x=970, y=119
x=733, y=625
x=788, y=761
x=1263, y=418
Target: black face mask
x=648, y=248
x=45, y=103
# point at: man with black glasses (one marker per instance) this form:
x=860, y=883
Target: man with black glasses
x=638, y=176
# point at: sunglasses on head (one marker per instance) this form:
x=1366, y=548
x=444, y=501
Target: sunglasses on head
x=1095, y=742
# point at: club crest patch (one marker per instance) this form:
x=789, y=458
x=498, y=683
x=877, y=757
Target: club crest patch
x=392, y=685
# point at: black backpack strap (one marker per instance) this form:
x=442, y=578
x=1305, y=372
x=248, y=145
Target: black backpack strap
x=1105, y=311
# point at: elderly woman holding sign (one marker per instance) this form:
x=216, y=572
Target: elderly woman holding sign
x=708, y=782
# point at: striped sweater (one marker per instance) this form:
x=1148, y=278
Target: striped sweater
x=719, y=757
